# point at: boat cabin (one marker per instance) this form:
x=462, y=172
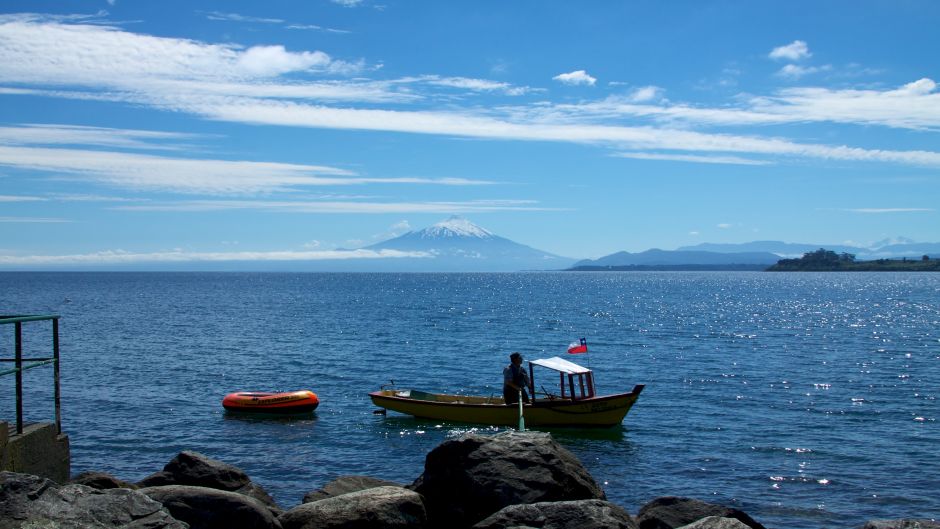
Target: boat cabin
x=575, y=382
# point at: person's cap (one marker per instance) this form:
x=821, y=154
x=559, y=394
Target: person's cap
x=514, y=356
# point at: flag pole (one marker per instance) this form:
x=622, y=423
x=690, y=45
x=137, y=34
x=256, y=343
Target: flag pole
x=521, y=418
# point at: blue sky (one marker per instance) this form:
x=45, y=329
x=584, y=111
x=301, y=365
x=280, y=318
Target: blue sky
x=156, y=132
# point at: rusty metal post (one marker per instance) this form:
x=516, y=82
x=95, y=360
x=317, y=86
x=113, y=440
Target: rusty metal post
x=18, y=332
x=55, y=367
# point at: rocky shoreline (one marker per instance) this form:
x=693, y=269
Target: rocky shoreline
x=511, y=479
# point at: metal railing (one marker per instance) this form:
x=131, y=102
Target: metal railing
x=22, y=364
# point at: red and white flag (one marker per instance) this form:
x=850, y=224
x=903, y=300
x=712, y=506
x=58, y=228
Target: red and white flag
x=578, y=347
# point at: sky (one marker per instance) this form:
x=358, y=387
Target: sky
x=197, y=131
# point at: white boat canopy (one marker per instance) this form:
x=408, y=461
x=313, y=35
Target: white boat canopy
x=561, y=365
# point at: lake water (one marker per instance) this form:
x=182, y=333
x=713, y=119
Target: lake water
x=807, y=400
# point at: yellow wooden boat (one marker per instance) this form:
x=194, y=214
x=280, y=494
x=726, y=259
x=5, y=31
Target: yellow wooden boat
x=575, y=405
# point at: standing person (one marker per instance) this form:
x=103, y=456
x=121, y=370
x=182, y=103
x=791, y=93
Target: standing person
x=515, y=379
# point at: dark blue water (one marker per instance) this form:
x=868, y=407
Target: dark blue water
x=808, y=400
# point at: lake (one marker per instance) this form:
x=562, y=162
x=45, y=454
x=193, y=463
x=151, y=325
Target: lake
x=807, y=400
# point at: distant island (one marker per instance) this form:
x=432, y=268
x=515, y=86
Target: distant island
x=823, y=260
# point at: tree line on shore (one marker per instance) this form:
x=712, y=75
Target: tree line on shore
x=823, y=260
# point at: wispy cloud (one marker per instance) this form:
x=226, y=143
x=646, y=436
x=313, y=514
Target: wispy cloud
x=184, y=175
x=731, y=160
x=120, y=257
x=578, y=77
x=235, y=17
x=795, y=71
x=314, y=27
x=476, y=85
x=20, y=198
x=232, y=83
x=95, y=55
x=794, y=51
x=326, y=206
x=52, y=134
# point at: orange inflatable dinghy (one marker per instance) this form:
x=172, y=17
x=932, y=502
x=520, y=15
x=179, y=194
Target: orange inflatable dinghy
x=260, y=402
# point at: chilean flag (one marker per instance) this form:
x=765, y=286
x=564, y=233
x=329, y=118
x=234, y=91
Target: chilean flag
x=578, y=347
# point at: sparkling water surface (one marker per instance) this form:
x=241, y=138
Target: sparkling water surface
x=807, y=400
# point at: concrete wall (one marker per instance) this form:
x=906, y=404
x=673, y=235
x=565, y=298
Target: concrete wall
x=38, y=451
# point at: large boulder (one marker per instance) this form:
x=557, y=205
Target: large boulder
x=205, y=508
x=198, y=470
x=101, y=481
x=471, y=477
x=28, y=501
x=581, y=514
x=716, y=522
x=345, y=485
x=902, y=523
x=671, y=512
x=386, y=507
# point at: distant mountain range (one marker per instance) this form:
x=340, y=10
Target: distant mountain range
x=750, y=255
x=885, y=249
x=456, y=244
x=656, y=258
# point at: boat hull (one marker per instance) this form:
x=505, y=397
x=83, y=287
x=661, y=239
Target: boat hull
x=602, y=411
x=303, y=401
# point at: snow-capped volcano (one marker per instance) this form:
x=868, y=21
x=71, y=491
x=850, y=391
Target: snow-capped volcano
x=455, y=226
x=456, y=244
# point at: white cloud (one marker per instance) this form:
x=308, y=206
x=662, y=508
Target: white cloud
x=94, y=55
x=470, y=125
x=348, y=3
x=915, y=105
x=579, y=77
x=794, y=51
x=795, y=71
x=694, y=233
x=117, y=257
x=645, y=93
x=271, y=61
x=724, y=226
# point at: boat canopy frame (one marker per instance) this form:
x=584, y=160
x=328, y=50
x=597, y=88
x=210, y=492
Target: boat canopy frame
x=584, y=389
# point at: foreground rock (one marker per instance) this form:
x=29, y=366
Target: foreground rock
x=198, y=470
x=387, y=507
x=205, y=508
x=472, y=477
x=345, y=485
x=32, y=502
x=581, y=514
x=671, y=512
x=101, y=481
x=716, y=522
x=903, y=523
